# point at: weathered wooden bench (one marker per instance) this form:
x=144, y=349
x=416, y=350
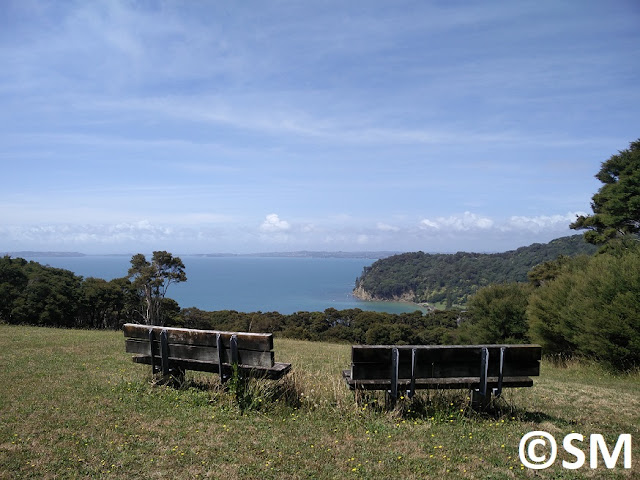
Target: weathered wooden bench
x=483, y=369
x=171, y=351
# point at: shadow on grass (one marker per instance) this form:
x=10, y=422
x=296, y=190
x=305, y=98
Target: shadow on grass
x=449, y=405
x=540, y=417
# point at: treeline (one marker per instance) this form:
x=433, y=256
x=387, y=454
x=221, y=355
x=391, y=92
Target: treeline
x=585, y=306
x=349, y=325
x=31, y=293
x=451, y=279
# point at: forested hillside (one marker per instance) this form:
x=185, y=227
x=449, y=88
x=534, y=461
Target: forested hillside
x=450, y=279
x=36, y=294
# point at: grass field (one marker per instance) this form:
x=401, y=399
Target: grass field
x=73, y=405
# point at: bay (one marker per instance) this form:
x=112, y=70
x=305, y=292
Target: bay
x=250, y=284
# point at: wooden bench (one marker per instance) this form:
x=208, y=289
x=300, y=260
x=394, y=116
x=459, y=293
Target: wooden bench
x=484, y=369
x=171, y=351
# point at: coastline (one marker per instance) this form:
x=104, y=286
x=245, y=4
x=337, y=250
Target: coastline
x=405, y=299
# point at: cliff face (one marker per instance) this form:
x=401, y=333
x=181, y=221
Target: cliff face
x=362, y=294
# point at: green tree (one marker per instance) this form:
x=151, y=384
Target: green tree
x=547, y=271
x=379, y=334
x=498, y=314
x=152, y=279
x=616, y=206
x=106, y=304
x=51, y=297
x=591, y=309
x=13, y=281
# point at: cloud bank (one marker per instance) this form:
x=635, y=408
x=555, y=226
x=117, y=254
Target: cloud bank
x=466, y=231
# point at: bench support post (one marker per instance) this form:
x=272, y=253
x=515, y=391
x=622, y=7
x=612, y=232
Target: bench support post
x=234, y=349
x=412, y=388
x=480, y=398
x=498, y=391
x=154, y=367
x=220, y=348
x=393, y=392
x=484, y=367
x=478, y=401
x=164, y=352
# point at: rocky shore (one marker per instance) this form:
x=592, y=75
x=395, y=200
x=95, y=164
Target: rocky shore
x=360, y=293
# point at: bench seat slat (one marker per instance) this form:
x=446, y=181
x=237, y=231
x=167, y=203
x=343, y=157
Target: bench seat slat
x=274, y=372
x=262, y=342
x=443, y=353
x=442, y=383
x=372, y=371
x=201, y=353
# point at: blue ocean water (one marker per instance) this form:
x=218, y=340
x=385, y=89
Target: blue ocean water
x=250, y=284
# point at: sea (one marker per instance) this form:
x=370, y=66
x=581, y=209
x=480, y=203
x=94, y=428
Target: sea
x=248, y=283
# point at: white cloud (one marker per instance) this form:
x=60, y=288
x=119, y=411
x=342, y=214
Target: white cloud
x=517, y=223
x=273, y=224
x=459, y=223
x=464, y=232
x=387, y=228
x=429, y=224
x=64, y=235
x=541, y=222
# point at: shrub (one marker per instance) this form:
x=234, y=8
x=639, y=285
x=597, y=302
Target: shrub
x=498, y=315
x=591, y=309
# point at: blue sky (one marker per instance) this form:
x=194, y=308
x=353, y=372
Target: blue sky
x=273, y=126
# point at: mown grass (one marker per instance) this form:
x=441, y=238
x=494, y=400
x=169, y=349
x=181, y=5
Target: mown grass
x=73, y=405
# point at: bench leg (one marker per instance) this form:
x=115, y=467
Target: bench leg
x=480, y=402
x=392, y=394
x=390, y=400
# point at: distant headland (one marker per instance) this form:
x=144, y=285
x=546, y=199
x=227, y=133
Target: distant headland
x=29, y=253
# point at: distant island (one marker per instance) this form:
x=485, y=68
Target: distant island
x=305, y=254
x=29, y=253
x=297, y=254
x=448, y=280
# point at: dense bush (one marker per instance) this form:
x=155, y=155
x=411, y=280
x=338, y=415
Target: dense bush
x=31, y=293
x=350, y=325
x=497, y=314
x=38, y=295
x=591, y=308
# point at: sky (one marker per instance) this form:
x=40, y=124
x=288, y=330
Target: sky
x=240, y=127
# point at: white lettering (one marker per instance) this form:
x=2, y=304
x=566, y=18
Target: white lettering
x=572, y=450
x=538, y=460
x=598, y=443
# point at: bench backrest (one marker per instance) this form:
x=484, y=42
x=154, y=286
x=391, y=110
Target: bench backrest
x=373, y=362
x=253, y=349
